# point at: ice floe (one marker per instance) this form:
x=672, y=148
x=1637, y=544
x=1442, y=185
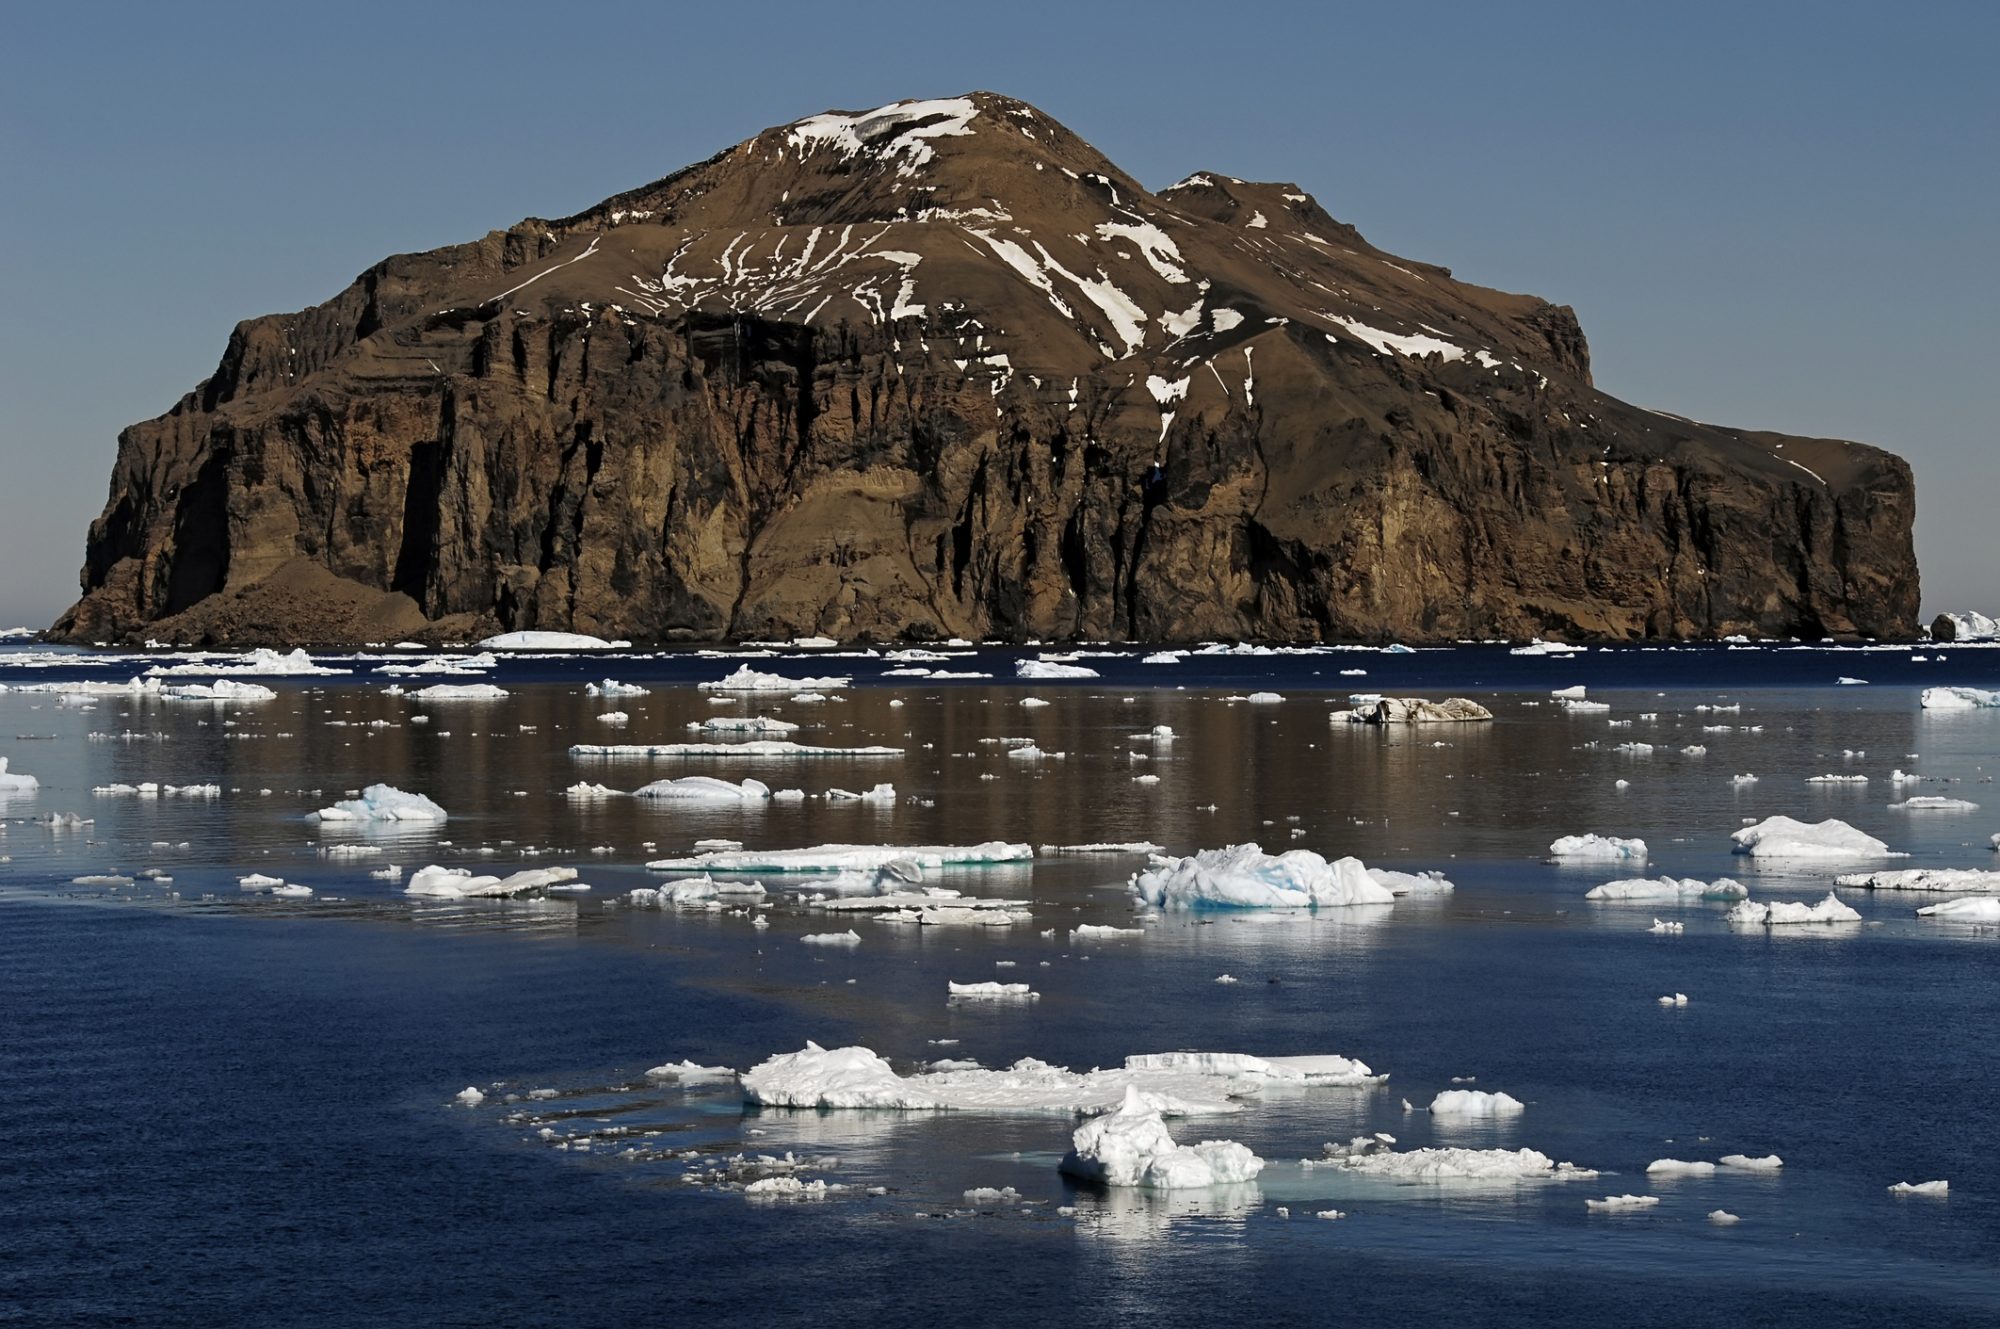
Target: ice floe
x=1475, y=1103
x=847, y=858
x=1959, y=699
x=847, y=938
x=1966, y=909
x=1652, y=890
x=460, y=883
x=1754, y=913
x=15, y=782
x=548, y=641
x=1132, y=1147
x=1746, y=1163
x=1936, y=1189
x=990, y=991
x=1621, y=1204
x=453, y=692
x=704, y=789
x=381, y=802
x=1674, y=1167
x=1243, y=876
x=1783, y=837
x=756, y=747
x=1594, y=848
x=743, y=724
x=1970, y=880
x=1377, y=1156
x=611, y=687
x=1411, y=710
x=1050, y=669
x=746, y=679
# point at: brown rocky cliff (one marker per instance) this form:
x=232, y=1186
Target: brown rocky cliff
x=941, y=370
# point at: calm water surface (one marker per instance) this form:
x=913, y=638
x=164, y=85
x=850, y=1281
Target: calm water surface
x=229, y=1109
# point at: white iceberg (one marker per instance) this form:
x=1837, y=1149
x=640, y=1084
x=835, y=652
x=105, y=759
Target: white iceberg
x=1746, y=1163
x=223, y=689
x=1783, y=837
x=1755, y=913
x=1931, y=1188
x=746, y=679
x=1050, y=669
x=548, y=641
x=1967, y=909
x=704, y=789
x=611, y=687
x=381, y=802
x=991, y=991
x=756, y=747
x=1651, y=890
x=459, y=692
x=1476, y=1103
x=1980, y=881
x=1674, y=1167
x=1243, y=876
x=260, y=661
x=1132, y=1147
x=1934, y=803
x=743, y=724
x=1594, y=848
x=1618, y=1204
x=847, y=938
x=847, y=858
x=13, y=782
x=459, y=883
x=1959, y=699
x=1375, y=1157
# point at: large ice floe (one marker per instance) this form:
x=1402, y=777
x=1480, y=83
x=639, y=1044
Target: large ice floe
x=611, y=687
x=1243, y=876
x=746, y=679
x=1412, y=710
x=1172, y=1083
x=1594, y=848
x=13, y=782
x=742, y=724
x=222, y=690
x=704, y=789
x=1760, y=913
x=381, y=802
x=1981, y=881
x=846, y=858
x=1666, y=890
x=451, y=692
x=1132, y=1147
x=756, y=747
x=1965, y=909
x=549, y=641
x=460, y=883
x=1377, y=1156
x=1959, y=699
x=1476, y=1103
x=263, y=660
x=1783, y=837
x=1051, y=669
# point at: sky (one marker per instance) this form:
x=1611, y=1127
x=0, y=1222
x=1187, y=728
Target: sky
x=1778, y=216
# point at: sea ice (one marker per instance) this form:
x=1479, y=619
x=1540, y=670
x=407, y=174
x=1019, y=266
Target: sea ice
x=1932, y=1188
x=1753, y=913
x=1132, y=1147
x=548, y=641
x=459, y=883
x=1409, y=710
x=704, y=789
x=1616, y=1204
x=756, y=747
x=1245, y=877
x=1933, y=803
x=1376, y=1157
x=611, y=687
x=1958, y=699
x=743, y=724
x=1651, y=890
x=1971, y=880
x=746, y=679
x=847, y=938
x=1476, y=1103
x=847, y=857
x=991, y=991
x=1049, y=669
x=1722, y=1217
x=1782, y=837
x=1674, y=1167
x=1594, y=848
x=457, y=692
x=381, y=802
x=1966, y=909
x=13, y=782
x=1745, y=1163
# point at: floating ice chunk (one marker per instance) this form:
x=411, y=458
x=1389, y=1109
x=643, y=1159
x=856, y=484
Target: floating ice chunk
x=584, y=792
x=1371, y=708
x=1742, y=779
x=1932, y=1188
x=848, y=857
x=991, y=991
x=459, y=883
x=1264, y=698
x=263, y=660
x=704, y=789
x=1376, y=1157
x=1676, y=999
x=1145, y=847
x=743, y=724
x=1619, y=1204
x=1846, y=682
x=611, y=687
x=1959, y=699
x=548, y=641
x=1745, y=1163
x=14, y=782
x=257, y=881
x=613, y=717
x=381, y=802
x=1754, y=913
x=1969, y=879
x=1102, y=932
x=1476, y=1103
x=1967, y=909
x=1400, y=884
x=223, y=689
x=1674, y=1167
x=882, y=795
x=1050, y=669
x=847, y=938
x=469, y=1097
x=1539, y=647
x=1245, y=877
x=1656, y=889
x=1836, y=779
x=1576, y=693
x=1933, y=803
x=1132, y=1147
x=786, y=1188
x=746, y=679
x=459, y=692
x=1664, y=927
x=688, y=1072
x=756, y=747
x=1226, y=979
x=1782, y=837
x=1722, y=1217
x=1594, y=848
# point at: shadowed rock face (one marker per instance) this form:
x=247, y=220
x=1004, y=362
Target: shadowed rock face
x=940, y=369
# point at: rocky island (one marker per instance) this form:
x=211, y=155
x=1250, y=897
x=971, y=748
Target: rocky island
x=939, y=370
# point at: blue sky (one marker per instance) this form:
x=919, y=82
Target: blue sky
x=1780, y=216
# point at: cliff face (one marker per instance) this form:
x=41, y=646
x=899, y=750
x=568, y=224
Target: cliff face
x=942, y=370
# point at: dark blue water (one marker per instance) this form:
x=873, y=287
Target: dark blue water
x=237, y=1111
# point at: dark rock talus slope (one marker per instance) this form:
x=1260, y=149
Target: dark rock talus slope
x=940, y=369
